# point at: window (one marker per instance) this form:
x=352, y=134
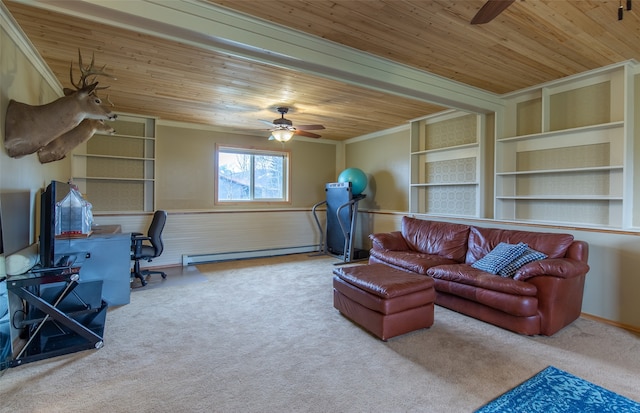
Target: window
x=251, y=175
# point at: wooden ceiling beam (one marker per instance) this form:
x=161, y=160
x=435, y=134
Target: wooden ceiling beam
x=217, y=29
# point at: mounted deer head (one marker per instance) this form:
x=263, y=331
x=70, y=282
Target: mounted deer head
x=59, y=147
x=29, y=128
x=85, y=72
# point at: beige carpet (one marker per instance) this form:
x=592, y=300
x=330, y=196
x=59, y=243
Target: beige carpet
x=262, y=336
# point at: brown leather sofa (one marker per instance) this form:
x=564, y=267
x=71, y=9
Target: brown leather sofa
x=541, y=298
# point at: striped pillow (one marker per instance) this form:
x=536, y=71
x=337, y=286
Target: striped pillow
x=500, y=257
x=529, y=255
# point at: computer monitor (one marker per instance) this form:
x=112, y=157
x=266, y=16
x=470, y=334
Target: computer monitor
x=55, y=192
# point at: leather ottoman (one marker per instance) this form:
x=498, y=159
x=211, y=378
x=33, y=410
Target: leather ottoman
x=383, y=300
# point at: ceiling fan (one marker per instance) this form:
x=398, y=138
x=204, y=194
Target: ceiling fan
x=282, y=128
x=490, y=10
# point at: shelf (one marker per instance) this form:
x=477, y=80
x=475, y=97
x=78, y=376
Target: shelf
x=561, y=197
x=432, y=184
x=460, y=200
x=561, y=170
x=117, y=135
x=580, y=130
x=447, y=149
x=103, y=178
x=604, y=211
x=134, y=158
x=572, y=224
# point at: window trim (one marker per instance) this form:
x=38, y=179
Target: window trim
x=253, y=150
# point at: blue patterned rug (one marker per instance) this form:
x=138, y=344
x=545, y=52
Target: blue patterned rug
x=554, y=391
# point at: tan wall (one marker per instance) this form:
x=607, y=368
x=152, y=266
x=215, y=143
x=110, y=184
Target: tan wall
x=385, y=160
x=185, y=177
x=19, y=80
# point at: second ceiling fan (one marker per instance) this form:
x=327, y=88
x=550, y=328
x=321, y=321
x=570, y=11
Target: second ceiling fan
x=283, y=130
x=490, y=10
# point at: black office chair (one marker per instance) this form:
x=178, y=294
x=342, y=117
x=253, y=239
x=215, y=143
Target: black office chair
x=141, y=250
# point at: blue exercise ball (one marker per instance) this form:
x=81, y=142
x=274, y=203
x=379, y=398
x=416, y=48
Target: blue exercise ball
x=357, y=178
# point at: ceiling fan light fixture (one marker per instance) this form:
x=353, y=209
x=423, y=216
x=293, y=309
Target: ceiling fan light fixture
x=282, y=135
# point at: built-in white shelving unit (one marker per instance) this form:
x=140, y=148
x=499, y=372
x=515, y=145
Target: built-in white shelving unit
x=563, y=154
x=116, y=173
x=446, y=164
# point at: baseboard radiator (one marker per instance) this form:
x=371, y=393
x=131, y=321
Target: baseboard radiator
x=240, y=255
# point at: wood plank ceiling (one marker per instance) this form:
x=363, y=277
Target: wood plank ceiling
x=532, y=42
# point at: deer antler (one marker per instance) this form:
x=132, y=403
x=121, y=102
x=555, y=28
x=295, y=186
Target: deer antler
x=87, y=71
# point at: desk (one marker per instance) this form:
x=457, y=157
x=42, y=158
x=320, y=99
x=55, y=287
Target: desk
x=107, y=257
x=62, y=311
x=105, y=229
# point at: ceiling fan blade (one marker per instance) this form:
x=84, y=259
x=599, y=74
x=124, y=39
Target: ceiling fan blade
x=490, y=10
x=307, y=134
x=268, y=122
x=248, y=129
x=309, y=127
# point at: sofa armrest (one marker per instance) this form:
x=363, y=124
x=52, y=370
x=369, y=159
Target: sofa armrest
x=389, y=241
x=556, y=267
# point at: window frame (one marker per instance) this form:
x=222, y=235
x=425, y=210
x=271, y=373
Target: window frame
x=252, y=151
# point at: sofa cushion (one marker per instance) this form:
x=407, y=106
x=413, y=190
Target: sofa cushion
x=512, y=304
x=466, y=274
x=530, y=255
x=556, y=267
x=388, y=241
x=410, y=260
x=483, y=240
x=433, y=237
x=500, y=257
